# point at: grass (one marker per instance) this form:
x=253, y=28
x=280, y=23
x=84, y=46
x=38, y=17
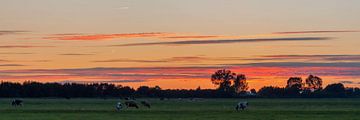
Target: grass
x=175, y=109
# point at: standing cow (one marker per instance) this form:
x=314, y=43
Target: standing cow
x=119, y=106
x=131, y=104
x=17, y=102
x=146, y=104
x=242, y=106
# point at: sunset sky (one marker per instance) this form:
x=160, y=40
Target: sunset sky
x=179, y=43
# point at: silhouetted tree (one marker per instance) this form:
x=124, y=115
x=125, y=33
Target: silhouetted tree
x=314, y=82
x=240, y=83
x=145, y=91
x=293, y=87
x=223, y=78
x=335, y=90
x=294, y=82
x=8, y=89
x=270, y=91
x=253, y=91
x=356, y=92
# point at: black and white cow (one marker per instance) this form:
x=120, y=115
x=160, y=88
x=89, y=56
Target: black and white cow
x=131, y=104
x=146, y=104
x=119, y=106
x=242, y=106
x=17, y=102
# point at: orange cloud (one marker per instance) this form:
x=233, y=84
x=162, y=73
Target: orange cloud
x=192, y=37
x=10, y=65
x=8, y=32
x=223, y=41
x=15, y=53
x=326, y=58
x=316, y=31
x=174, y=59
x=167, y=35
x=106, y=36
x=76, y=54
x=159, y=35
x=22, y=46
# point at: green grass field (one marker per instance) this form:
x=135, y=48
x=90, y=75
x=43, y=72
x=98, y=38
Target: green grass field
x=174, y=109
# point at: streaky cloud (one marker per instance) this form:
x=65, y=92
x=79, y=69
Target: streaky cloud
x=191, y=72
x=349, y=82
x=174, y=59
x=326, y=58
x=76, y=54
x=300, y=64
x=192, y=37
x=11, y=65
x=101, y=81
x=2, y=60
x=131, y=60
x=8, y=32
x=339, y=57
x=316, y=31
x=308, y=46
x=15, y=53
x=95, y=37
x=22, y=46
x=197, y=42
x=38, y=61
x=201, y=58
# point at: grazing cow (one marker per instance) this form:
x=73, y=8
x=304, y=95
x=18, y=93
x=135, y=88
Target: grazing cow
x=131, y=104
x=241, y=105
x=67, y=97
x=119, y=106
x=162, y=98
x=129, y=98
x=146, y=104
x=17, y=102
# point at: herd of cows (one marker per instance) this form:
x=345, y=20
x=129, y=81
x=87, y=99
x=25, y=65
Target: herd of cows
x=131, y=103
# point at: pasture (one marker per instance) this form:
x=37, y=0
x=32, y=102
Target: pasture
x=183, y=109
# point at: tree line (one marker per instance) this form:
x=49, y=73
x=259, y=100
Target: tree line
x=230, y=85
x=312, y=87
x=30, y=89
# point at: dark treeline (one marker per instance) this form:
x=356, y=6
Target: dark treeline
x=312, y=87
x=229, y=84
x=94, y=90
x=105, y=90
x=336, y=90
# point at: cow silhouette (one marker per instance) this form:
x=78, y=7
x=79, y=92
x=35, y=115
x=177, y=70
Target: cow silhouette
x=242, y=106
x=131, y=104
x=17, y=102
x=146, y=104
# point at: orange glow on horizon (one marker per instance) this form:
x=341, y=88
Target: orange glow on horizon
x=178, y=78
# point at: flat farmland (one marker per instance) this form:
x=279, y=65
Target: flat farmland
x=183, y=109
